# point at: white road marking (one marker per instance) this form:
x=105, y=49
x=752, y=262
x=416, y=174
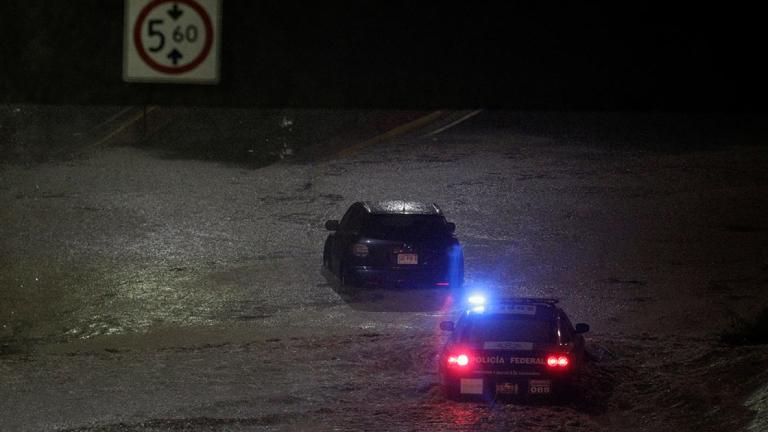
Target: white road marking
x=111, y=119
x=454, y=123
x=400, y=130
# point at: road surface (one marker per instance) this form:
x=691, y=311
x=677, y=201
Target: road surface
x=145, y=293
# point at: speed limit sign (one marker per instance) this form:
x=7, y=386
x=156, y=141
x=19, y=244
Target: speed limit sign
x=172, y=41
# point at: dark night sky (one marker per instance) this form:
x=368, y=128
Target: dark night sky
x=401, y=54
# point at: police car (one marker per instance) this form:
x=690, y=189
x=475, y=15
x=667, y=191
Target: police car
x=515, y=346
x=394, y=243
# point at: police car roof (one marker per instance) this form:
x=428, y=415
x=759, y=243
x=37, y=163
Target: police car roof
x=532, y=307
x=401, y=207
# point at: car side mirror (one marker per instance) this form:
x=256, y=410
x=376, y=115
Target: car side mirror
x=451, y=227
x=332, y=225
x=446, y=326
x=582, y=328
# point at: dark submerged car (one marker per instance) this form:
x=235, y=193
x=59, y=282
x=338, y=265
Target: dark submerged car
x=394, y=243
x=514, y=347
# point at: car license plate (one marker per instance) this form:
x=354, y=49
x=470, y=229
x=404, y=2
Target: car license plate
x=407, y=259
x=506, y=388
x=539, y=386
x=471, y=386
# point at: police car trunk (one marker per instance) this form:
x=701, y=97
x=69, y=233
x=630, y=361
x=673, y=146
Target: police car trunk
x=512, y=349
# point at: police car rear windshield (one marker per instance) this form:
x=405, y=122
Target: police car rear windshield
x=405, y=226
x=510, y=328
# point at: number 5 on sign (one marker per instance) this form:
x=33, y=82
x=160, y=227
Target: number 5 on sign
x=172, y=41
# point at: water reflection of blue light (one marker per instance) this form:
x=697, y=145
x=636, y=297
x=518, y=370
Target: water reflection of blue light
x=456, y=267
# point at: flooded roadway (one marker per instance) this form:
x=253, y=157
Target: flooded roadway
x=145, y=293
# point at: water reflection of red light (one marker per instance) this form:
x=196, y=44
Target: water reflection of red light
x=462, y=414
x=444, y=310
x=447, y=304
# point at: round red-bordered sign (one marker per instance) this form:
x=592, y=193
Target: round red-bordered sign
x=172, y=69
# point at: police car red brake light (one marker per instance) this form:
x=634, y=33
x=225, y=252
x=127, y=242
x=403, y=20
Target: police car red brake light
x=458, y=360
x=558, y=361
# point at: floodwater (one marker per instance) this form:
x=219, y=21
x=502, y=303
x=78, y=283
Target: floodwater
x=145, y=293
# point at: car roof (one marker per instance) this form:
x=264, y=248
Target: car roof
x=401, y=207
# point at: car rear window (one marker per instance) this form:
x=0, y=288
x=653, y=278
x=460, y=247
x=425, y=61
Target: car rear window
x=402, y=226
x=511, y=328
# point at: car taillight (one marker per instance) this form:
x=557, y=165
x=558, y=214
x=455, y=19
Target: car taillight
x=458, y=360
x=557, y=361
x=360, y=250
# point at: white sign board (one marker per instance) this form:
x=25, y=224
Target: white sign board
x=172, y=41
